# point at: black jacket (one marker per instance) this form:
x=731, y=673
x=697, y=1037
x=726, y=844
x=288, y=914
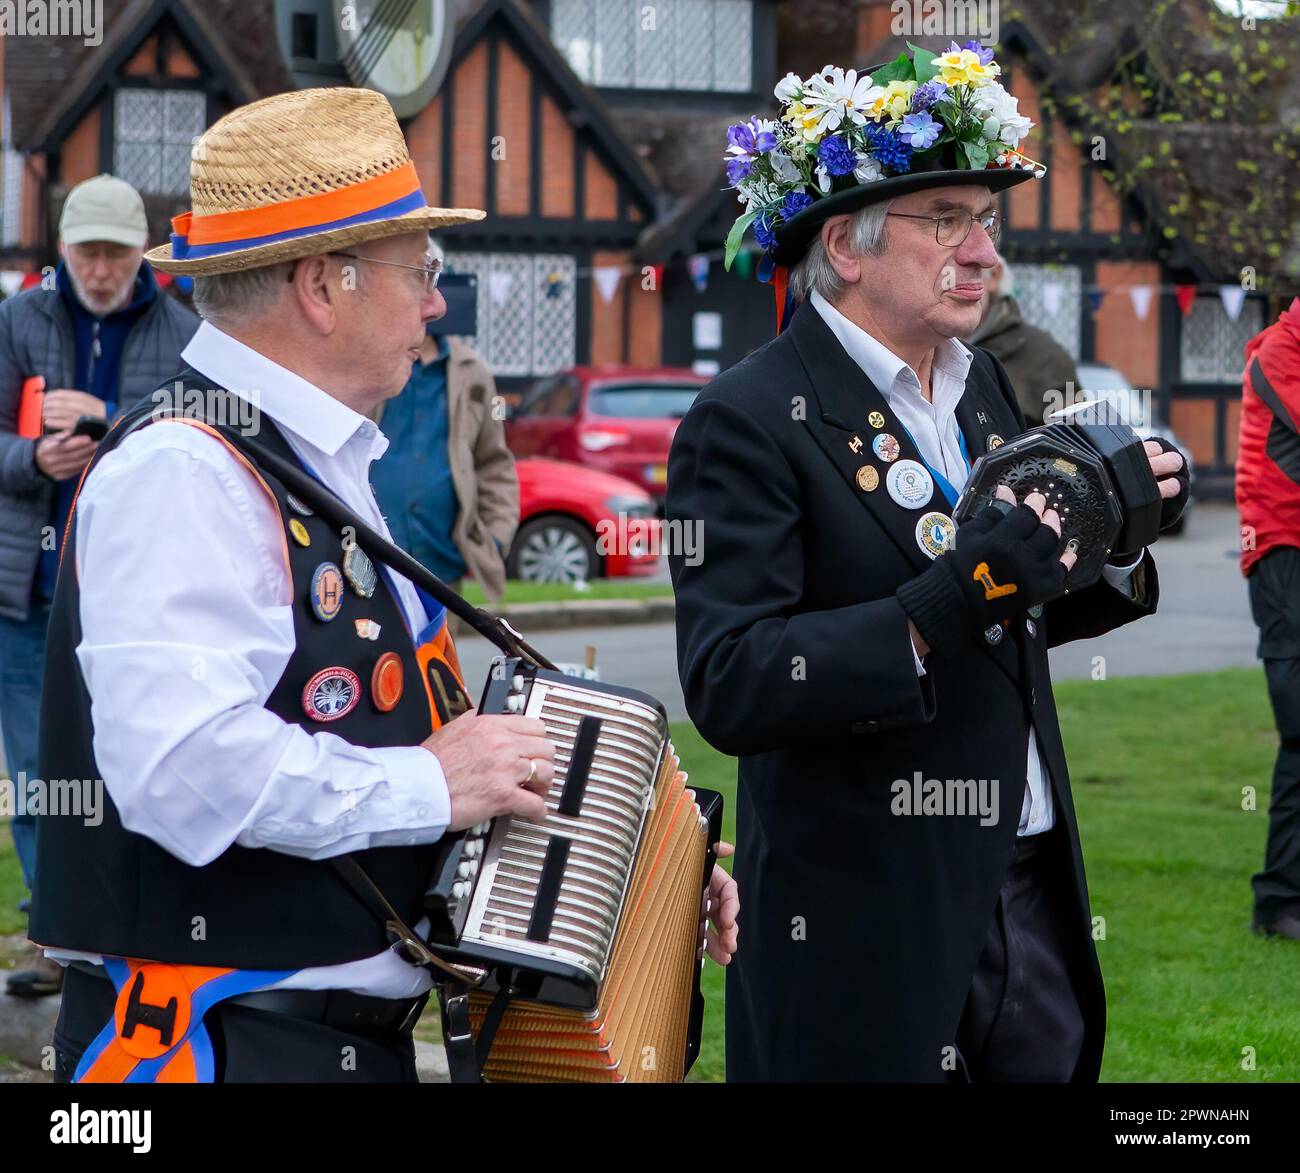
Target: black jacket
x=860, y=929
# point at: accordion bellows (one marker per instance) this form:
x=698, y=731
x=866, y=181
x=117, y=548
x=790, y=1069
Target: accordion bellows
x=638, y=1030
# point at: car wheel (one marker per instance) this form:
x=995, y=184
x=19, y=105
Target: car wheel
x=553, y=549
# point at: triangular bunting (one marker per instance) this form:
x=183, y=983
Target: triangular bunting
x=607, y=278
x=1233, y=297
x=1185, y=295
x=1140, y=296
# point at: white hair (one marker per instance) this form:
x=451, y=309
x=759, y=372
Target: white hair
x=815, y=271
x=243, y=294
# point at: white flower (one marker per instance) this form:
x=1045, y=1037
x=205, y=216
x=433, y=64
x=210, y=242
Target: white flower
x=833, y=95
x=784, y=167
x=823, y=178
x=867, y=169
x=1003, y=121
x=788, y=88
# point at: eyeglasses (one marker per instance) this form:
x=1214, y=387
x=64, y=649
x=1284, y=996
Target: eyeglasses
x=953, y=226
x=431, y=269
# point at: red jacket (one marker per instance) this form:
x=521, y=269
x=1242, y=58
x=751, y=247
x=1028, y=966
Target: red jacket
x=1268, y=456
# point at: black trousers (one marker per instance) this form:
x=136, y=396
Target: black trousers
x=250, y=1046
x=1022, y=1022
x=1275, y=604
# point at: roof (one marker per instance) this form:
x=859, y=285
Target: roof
x=52, y=81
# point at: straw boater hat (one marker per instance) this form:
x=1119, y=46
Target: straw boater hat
x=298, y=175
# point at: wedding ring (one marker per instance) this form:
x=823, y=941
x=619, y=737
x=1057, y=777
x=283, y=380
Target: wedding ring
x=532, y=772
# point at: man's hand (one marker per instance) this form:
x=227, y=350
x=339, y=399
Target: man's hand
x=487, y=762
x=62, y=409
x=64, y=455
x=718, y=930
x=1173, y=478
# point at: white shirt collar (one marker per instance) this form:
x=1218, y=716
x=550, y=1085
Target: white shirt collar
x=299, y=406
x=880, y=364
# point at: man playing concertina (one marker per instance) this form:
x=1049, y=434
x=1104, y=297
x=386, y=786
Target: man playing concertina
x=850, y=645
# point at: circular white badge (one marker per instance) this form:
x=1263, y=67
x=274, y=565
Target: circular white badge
x=909, y=483
x=935, y=533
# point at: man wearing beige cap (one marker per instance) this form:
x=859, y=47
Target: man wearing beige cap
x=71, y=358
x=280, y=723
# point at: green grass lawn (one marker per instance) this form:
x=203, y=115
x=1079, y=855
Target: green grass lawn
x=1158, y=766
x=518, y=591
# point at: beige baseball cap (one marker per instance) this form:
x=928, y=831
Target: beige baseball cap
x=104, y=208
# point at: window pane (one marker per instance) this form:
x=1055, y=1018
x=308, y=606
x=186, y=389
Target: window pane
x=572, y=28
x=693, y=51
x=138, y=116
x=611, y=63
x=140, y=164
x=631, y=402
x=511, y=296
x=1051, y=298
x=555, y=319
x=733, y=44
x=654, y=45
x=1202, y=341
x=184, y=116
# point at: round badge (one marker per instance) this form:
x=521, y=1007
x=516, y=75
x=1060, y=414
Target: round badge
x=360, y=571
x=876, y=419
x=330, y=694
x=326, y=592
x=935, y=533
x=909, y=483
x=386, y=682
x=299, y=531
x=298, y=505
x=160, y=988
x=885, y=446
x=995, y=441
x=868, y=478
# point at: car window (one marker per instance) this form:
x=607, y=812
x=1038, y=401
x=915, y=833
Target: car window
x=633, y=401
x=552, y=397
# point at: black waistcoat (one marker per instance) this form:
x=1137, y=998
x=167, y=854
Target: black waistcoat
x=105, y=889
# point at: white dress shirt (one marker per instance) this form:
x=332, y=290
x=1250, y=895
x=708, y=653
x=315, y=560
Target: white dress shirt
x=933, y=426
x=187, y=626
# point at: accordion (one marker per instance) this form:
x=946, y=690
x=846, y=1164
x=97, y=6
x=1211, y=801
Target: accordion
x=591, y=919
x=1094, y=472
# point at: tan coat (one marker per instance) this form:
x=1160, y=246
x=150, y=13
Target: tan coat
x=482, y=468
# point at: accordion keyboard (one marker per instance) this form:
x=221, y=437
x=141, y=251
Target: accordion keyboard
x=556, y=889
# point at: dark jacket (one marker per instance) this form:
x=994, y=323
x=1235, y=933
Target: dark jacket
x=36, y=338
x=861, y=928
x=1035, y=362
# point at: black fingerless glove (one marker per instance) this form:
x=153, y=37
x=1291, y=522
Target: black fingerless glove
x=1171, y=508
x=1004, y=561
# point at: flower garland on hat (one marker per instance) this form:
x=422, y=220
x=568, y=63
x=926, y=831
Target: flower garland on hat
x=838, y=129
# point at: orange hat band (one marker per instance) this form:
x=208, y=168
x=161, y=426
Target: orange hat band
x=382, y=198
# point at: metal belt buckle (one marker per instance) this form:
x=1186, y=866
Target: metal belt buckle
x=458, y=1008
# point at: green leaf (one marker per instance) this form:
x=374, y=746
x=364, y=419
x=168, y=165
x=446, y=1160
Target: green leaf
x=735, y=236
x=900, y=69
x=923, y=63
x=977, y=155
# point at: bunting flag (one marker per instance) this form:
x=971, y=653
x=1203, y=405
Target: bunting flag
x=1186, y=295
x=607, y=278
x=1233, y=297
x=1141, y=295
x=699, y=270
x=1095, y=298
x=1052, y=297
x=499, y=285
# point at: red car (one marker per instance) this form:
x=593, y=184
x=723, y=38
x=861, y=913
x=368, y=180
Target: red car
x=576, y=524
x=617, y=419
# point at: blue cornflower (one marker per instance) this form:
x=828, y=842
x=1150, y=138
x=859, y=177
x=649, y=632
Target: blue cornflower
x=889, y=149
x=793, y=204
x=836, y=155
x=763, y=233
